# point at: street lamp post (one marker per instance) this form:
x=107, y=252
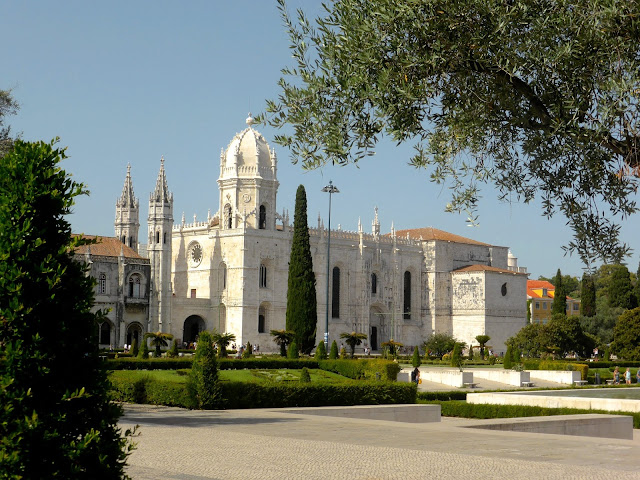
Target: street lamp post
x=331, y=189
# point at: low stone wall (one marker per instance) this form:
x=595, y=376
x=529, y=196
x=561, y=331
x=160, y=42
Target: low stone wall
x=395, y=413
x=454, y=378
x=564, y=377
x=510, y=377
x=589, y=425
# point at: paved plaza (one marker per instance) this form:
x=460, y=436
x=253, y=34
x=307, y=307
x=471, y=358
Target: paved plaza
x=270, y=444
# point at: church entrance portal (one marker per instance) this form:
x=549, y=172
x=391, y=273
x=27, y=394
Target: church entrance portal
x=377, y=327
x=374, y=338
x=193, y=325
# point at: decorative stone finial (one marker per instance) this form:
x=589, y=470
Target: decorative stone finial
x=250, y=120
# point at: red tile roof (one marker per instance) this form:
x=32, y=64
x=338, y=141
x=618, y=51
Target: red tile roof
x=540, y=284
x=430, y=233
x=106, y=247
x=486, y=268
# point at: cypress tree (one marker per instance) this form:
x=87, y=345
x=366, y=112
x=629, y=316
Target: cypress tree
x=204, y=385
x=134, y=347
x=456, y=356
x=559, y=304
x=588, y=297
x=620, y=290
x=507, y=361
x=143, y=352
x=292, y=353
x=56, y=419
x=415, y=360
x=333, y=353
x=301, y=315
x=470, y=352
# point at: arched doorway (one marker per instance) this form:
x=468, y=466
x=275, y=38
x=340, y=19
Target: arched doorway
x=193, y=325
x=134, y=330
x=104, y=333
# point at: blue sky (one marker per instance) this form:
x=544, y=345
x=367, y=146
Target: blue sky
x=128, y=82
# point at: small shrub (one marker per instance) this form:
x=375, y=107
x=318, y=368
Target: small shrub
x=173, y=351
x=248, y=352
x=456, y=356
x=203, y=384
x=343, y=353
x=134, y=347
x=292, y=352
x=143, y=353
x=321, y=351
x=304, y=375
x=333, y=353
x=471, y=352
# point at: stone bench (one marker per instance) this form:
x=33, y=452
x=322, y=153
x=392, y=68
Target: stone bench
x=470, y=385
x=527, y=384
x=580, y=383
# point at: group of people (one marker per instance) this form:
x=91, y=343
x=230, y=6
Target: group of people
x=627, y=376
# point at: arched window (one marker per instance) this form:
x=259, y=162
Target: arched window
x=263, y=276
x=228, y=216
x=164, y=237
x=158, y=236
x=124, y=239
x=102, y=283
x=134, y=286
x=335, y=294
x=374, y=284
x=262, y=320
x=407, y=295
x=262, y=222
x=105, y=333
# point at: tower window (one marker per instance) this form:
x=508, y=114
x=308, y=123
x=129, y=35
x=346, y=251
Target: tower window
x=262, y=224
x=102, y=283
x=262, y=319
x=228, y=216
x=164, y=237
x=374, y=284
x=407, y=295
x=263, y=276
x=134, y=286
x=124, y=239
x=335, y=294
x=158, y=237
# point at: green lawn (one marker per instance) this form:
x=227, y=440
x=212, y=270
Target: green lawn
x=251, y=376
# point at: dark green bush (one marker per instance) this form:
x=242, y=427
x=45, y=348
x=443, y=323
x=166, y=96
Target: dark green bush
x=370, y=369
x=321, y=351
x=136, y=363
x=203, y=385
x=333, y=353
x=415, y=359
x=441, y=396
x=153, y=392
x=268, y=363
x=304, y=375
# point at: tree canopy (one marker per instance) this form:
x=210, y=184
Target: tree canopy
x=8, y=106
x=536, y=98
x=559, y=305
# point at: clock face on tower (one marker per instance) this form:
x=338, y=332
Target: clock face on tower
x=194, y=254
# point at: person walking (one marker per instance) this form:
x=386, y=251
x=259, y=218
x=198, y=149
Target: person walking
x=616, y=376
x=416, y=375
x=627, y=376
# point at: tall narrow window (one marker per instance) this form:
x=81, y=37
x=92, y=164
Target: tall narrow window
x=263, y=276
x=407, y=295
x=223, y=276
x=335, y=294
x=102, y=283
x=164, y=237
x=124, y=239
x=158, y=236
x=134, y=286
x=228, y=216
x=262, y=224
x=374, y=284
x=105, y=333
x=262, y=320
x=193, y=293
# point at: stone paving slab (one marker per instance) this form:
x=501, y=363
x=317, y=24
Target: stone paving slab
x=269, y=444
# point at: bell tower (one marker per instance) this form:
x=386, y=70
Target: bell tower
x=127, y=221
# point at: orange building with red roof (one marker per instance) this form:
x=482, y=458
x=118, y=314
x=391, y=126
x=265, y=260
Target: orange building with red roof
x=541, y=293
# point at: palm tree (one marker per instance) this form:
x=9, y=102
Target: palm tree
x=158, y=340
x=482, y=340
x=393, y=346
x=352, y=339
x=222, y=340
x=282, y=338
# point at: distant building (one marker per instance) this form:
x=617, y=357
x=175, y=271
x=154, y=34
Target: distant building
x=229, y=271
x=541, y=293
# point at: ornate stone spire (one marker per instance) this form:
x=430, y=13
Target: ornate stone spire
x=161, y=193
x=250, y=121
x=375, y=225
x=127, y=199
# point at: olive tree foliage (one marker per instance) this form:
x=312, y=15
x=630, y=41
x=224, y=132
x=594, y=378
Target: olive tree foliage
x=536, y=98
x=8, y=106
x=56, y=420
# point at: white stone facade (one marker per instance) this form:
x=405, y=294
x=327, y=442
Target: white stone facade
x=229, y=272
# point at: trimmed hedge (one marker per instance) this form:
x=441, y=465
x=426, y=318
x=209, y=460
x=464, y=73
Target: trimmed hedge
x=369, y=369
x=134, y=363
x=463, y=409
x=441, y=396
x=252, y=395
x=270, y=363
